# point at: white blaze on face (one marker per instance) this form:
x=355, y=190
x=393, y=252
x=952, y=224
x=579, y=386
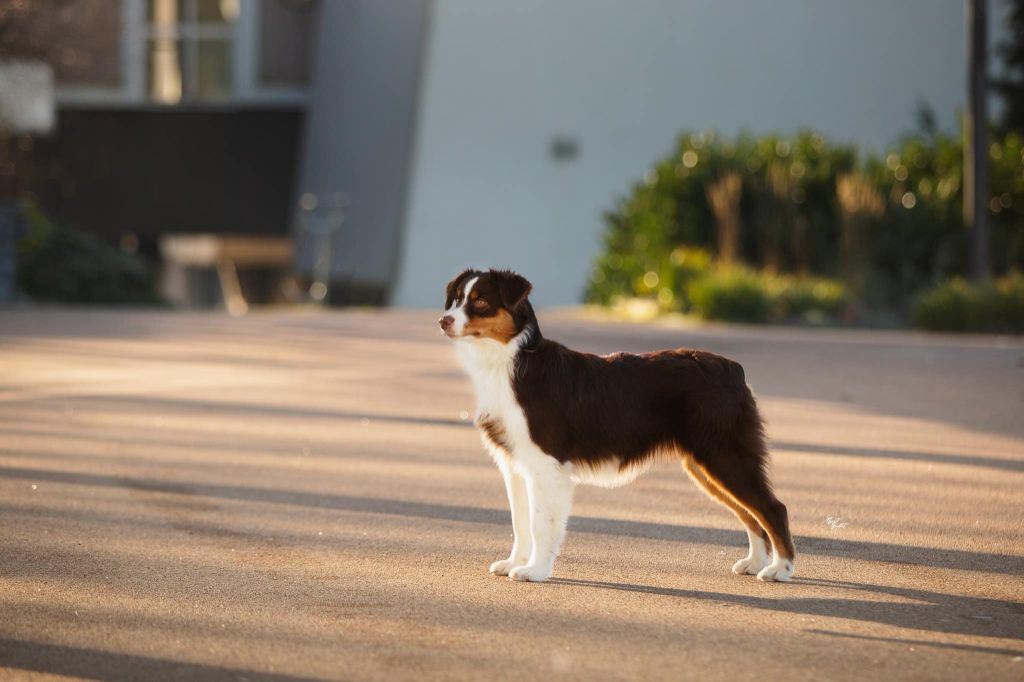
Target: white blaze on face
x=458, y=309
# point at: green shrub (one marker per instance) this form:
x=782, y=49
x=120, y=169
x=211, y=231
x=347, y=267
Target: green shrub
x=807, y=299
x=56, y=263
x=736, y=295
x=666, y=281
x=959, y=306
x=901, y=232
x=743, y=295
x=1010, y=302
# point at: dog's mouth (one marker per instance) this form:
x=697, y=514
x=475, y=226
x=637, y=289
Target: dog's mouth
x=455, y=337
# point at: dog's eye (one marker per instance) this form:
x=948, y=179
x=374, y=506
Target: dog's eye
x=480, y=304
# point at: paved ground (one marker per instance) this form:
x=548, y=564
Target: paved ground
x=296, y=495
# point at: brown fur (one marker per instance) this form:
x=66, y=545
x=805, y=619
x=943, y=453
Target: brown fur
x=500, y=326
x=494, y=432
x=713, y=491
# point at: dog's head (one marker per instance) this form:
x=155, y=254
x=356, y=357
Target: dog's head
x=490, y=304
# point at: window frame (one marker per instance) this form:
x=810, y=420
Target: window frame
x=246, y=91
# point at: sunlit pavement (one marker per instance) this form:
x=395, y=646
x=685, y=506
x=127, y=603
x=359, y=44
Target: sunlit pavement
x=297, y=495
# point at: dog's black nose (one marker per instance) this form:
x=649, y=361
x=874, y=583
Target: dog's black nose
x=446, y=322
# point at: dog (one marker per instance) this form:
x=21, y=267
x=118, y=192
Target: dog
x=552, y=418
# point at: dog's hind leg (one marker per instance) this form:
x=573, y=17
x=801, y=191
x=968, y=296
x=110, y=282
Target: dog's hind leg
x=742, y=477
x=757, y=556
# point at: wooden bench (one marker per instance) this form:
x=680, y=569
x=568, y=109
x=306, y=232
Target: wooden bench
x=226, y=254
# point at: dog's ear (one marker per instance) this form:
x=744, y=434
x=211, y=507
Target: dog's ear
x=453, y=286
x=513, y=287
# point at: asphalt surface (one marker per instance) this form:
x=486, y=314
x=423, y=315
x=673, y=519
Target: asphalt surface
x=297, y=495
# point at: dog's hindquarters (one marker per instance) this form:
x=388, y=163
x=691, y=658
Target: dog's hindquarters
x=730, y=464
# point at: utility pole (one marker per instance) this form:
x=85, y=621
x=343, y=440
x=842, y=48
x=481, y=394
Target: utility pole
x=976, y=138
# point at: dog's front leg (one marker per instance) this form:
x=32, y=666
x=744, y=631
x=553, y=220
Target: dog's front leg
x=519, y=504
x=549, y=489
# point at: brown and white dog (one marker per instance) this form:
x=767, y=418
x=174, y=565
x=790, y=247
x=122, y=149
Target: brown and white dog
x=552, y=417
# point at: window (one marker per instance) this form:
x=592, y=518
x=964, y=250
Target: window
x=286, y=30
x=135, y=53
x=189, y=49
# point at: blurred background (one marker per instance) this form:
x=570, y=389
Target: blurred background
x=793, y=161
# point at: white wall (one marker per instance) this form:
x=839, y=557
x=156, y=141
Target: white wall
x=623, y=78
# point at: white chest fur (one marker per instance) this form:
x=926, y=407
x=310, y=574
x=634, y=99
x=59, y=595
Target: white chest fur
x=490, y=365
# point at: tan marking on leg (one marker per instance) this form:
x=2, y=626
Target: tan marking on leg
x=779, y=544
x=714, y=492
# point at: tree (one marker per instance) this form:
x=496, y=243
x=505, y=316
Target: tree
x=976, y=138
x=1011, y=86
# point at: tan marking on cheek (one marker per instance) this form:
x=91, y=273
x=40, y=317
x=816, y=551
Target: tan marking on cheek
x=500, y=327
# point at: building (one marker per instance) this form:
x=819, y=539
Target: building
x=460, y=132
x=173, y=115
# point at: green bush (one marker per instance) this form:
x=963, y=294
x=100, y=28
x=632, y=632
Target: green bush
x=959, y=306
x=56, y=263
x=737, y=295
x=901, y=233
x=743, y=295
x=807, y=299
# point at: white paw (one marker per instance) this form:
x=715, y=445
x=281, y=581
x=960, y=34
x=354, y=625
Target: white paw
x=781, y=571
x=528, y=573
x=750, y=565
x=504, y=566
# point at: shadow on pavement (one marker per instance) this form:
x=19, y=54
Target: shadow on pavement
x=107, y=665
x=930, y=611
x=185, y=442
x=164, y=404
x=908, y=455
x=922, y=642
x=871, y=551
